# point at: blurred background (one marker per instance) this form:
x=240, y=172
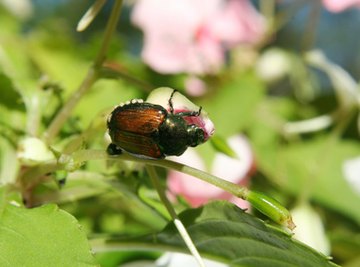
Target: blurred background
x=279, y=80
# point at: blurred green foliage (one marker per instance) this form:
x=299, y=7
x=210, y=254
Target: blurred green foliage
x=43, y=61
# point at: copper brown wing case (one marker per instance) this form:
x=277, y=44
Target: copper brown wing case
x=132, y=128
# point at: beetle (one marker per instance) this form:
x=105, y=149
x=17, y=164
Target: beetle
x=148, y=130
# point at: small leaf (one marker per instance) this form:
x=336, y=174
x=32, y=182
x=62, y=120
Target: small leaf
x=9, y=163
x=10, y=98
x=90, y=15
x=44, y=236
x=222, y=146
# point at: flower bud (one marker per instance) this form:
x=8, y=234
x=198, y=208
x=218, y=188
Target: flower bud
x=161, y=96
x=33, y=151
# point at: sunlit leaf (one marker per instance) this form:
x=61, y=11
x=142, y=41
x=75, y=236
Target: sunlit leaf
x=44, y=236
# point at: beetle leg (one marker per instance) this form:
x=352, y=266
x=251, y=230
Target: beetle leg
x=199, y=111
x=170, y=101
x=185, y=114
x=113, y=150
x=190, y=113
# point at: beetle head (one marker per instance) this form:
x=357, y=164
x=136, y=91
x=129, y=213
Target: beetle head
x=196, y=135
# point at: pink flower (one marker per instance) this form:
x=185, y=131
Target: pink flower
x=194, y=86
x=340, y=5
x=191, y=36
x=197, y=192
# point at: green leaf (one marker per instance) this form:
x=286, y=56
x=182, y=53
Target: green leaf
x=104, y=95
x=222, y=146
x=224, y=232
x=234, y=105
x=44, y=236
x=10, y=98
x=315, y=167
x=9, y=164
x=312, y=166
x=57, y=62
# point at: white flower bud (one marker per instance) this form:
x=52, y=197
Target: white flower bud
x=33, y=151
x=273, y=65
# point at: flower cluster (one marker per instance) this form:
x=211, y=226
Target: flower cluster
x=191, y=36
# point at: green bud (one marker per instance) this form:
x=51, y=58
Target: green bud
x=271, y=208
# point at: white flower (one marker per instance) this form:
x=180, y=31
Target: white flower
x=273, y=65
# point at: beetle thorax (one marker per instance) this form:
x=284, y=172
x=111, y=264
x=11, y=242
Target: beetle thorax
x=173, y=135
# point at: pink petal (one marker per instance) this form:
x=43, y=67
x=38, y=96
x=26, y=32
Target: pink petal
x=238, y=22
x=340, y=5
x=207, y=54
x=167, y=35
x=231, y=169
x=197, y=192
x=165, y=57
x=188, y=35
x=240, y=203
x=194, y=86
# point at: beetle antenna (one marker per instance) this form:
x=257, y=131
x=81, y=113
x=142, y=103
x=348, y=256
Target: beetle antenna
x=170, y=101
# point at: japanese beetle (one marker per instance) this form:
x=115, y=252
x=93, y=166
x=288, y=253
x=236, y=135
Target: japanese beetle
x=149, y=131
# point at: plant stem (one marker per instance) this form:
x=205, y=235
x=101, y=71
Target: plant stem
x=234, y=189
x=311, y=26
x=90, y=79
x=267, y=8
x=33, y=116
x=66, y=110
x=177, y=222
x=109, y=30
x=264, y=204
